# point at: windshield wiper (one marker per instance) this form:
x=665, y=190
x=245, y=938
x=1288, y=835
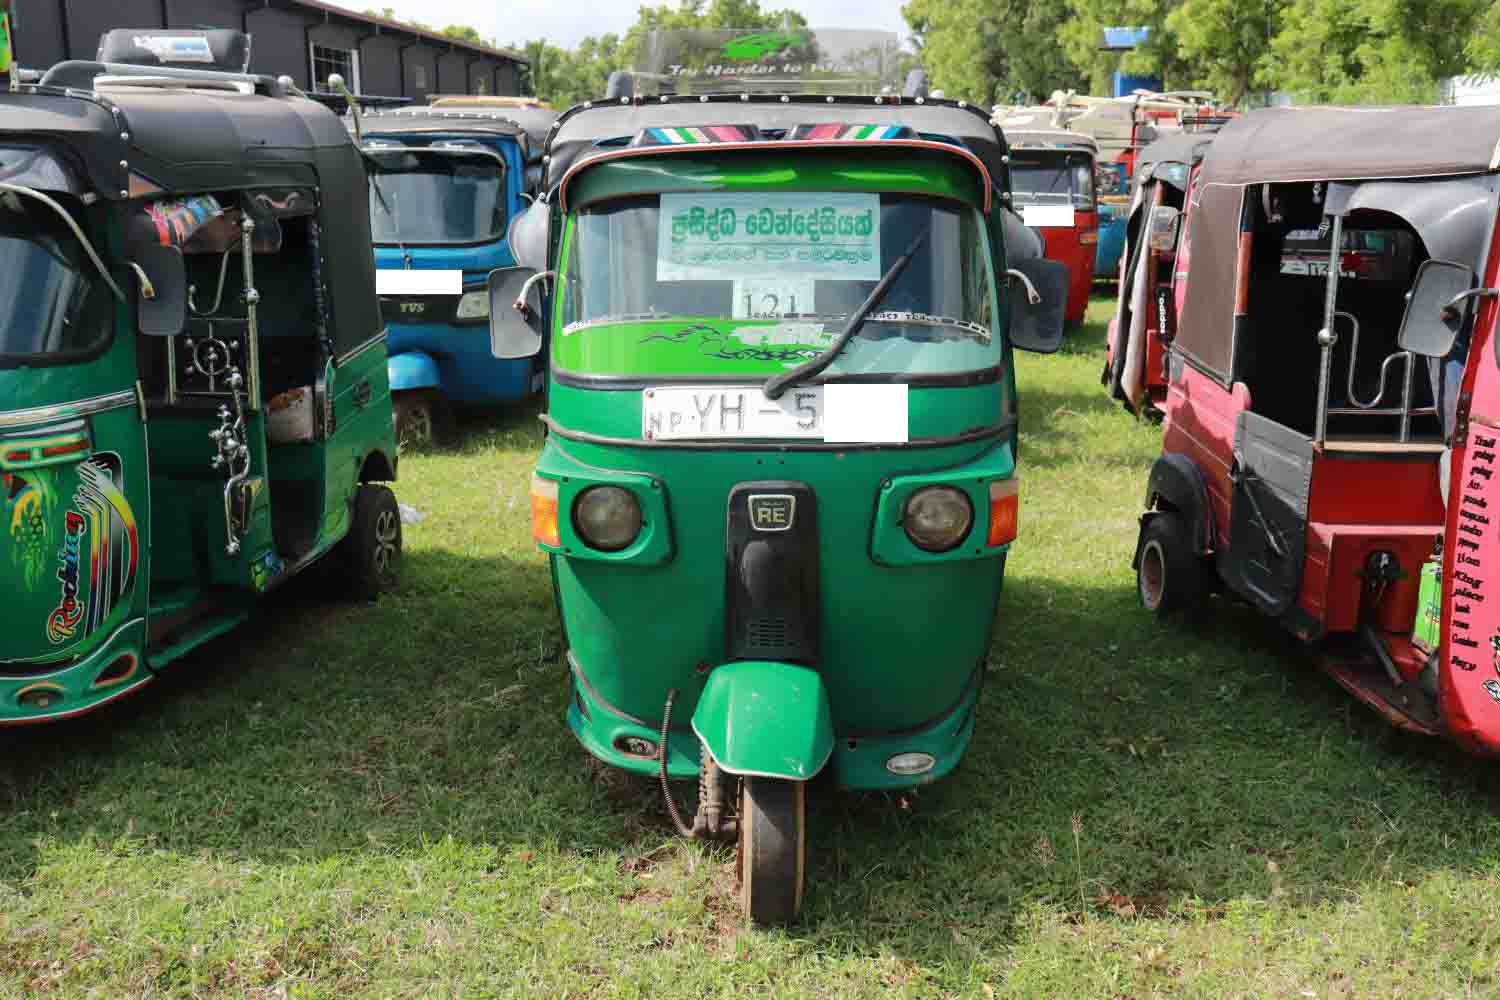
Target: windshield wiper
x=395, y=219
x=778, y=384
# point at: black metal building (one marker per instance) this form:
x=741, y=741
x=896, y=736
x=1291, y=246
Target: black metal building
x=303, y=39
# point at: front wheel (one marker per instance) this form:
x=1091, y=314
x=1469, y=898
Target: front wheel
x=371, y=552
x=421, y=418
x=772, y=848
x=1168, y=574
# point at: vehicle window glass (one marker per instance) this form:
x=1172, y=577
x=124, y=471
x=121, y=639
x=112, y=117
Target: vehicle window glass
x=437, y=198
x=52, y=303
x=1052, y=178
x=757, y=282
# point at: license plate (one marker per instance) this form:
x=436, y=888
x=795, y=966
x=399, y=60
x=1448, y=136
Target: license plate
x=730, y=412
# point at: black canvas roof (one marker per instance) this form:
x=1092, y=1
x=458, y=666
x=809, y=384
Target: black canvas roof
x=181, y=139
x=578, y=131
x=1333, y=143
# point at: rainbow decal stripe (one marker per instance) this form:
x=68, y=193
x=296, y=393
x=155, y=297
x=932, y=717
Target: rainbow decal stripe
x=697, y=135
x=853, y=133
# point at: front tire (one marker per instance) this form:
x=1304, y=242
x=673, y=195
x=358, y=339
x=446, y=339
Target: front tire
x=371, y=552
x=421, y=418
x=1169, y=575
x=772, y=850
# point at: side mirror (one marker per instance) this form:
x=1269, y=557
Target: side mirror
x=1165, y=223
x=1436, y=308
x=161, y=286
x=513, y=333
x=1038, y=326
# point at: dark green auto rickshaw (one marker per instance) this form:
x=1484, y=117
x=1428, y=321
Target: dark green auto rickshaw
x=193, y=393
x=779, y=481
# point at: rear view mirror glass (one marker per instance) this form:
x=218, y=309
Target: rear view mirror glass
x=515, y=333
x=1164, y=223
x=1038, y=326
x=1433, y=319
x=161, y=296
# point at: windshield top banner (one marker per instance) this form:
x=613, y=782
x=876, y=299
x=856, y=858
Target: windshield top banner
x=789, y=60
x=708, y=237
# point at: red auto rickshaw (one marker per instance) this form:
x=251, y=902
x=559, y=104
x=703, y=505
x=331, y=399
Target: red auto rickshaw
x=1332, y=433
x=1153, y=272
x=1052, y=185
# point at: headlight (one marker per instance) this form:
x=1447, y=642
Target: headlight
x=608, y=518
x=474, y=305
x=938, y=518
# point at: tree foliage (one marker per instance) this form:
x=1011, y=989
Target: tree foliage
x=1344, y=51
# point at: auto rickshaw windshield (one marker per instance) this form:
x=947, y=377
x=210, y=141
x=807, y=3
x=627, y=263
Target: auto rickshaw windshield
x=756, y=282
x=1039, y=178
x=51, y=304
x=428, y=198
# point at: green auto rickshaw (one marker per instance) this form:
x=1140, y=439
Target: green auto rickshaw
x=779, y=480
x=193, y=394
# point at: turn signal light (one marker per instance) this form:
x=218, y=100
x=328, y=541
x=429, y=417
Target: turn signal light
x=544, y=512
x=1004, y=506
x=1088, y=237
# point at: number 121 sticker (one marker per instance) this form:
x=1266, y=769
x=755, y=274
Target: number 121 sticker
x=772, y=298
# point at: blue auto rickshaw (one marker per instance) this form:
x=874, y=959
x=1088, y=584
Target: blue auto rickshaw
x=447, y=183
x=1114, y=206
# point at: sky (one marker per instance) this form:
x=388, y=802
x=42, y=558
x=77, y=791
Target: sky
x=564, y=22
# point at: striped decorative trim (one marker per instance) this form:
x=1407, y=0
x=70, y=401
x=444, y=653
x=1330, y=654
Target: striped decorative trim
x=696, y=135
x=853, y=133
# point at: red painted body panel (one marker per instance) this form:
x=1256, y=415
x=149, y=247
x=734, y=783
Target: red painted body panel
x=1469, y=679
x=1064, y=245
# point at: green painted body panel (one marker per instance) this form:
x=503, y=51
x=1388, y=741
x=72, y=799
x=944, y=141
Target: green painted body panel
x=115, y=555
x=903, y=634
x=767, y=720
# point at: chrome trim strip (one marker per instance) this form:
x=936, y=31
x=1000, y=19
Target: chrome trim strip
x=362, y=348
x=66, y=411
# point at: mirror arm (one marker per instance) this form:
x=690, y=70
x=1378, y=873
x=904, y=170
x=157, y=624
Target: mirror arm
x=148, y=290
x=1032, y=295
x=520, y=305
x=1449, y=311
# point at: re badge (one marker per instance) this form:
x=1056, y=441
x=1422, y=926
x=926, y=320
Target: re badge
x=772, y=511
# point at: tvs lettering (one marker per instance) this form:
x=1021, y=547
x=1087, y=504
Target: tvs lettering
x=413, y=307
x=63, y=622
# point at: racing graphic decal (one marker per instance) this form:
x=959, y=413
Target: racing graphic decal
x=101, y=545
x=27, y=514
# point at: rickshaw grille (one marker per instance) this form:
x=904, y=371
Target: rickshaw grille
x=771, y=586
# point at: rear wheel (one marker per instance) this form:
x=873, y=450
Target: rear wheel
x=371, y=552
x=421, y=417
x=772, y=848
x=1168, y=575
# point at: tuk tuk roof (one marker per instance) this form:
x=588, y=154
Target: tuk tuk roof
x=1175, y=147
x=1283, y=145
x=180, y=138
x=1050, y=139
x=578, y=135
x=496, y=121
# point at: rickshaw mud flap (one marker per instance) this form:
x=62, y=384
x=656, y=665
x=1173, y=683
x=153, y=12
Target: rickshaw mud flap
x=1406, y=707
x=763, y=719
x=964, y=437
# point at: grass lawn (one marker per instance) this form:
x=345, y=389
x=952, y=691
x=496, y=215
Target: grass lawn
x=383, y=800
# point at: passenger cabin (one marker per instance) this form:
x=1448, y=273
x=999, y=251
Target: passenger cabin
x=1288, y=387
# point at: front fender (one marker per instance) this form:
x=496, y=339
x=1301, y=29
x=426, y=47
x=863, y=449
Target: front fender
x=765, y=720
x=413, y=370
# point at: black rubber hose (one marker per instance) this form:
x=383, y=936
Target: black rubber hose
x=661, y=759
